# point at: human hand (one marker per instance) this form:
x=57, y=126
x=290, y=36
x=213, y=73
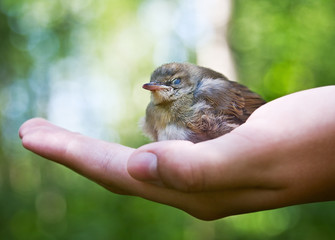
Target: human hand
x=283, y=155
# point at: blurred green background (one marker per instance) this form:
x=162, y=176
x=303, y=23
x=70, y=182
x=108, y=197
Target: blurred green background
x=81, y=64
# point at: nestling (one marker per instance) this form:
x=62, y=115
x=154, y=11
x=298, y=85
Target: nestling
x=194, y=103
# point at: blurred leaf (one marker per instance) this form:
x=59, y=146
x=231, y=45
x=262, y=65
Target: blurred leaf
x=81, y=64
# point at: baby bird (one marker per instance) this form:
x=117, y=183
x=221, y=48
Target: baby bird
x=194, y=103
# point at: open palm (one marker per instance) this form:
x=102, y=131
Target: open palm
x=283, y=155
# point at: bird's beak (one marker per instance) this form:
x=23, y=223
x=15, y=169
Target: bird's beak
x=154, y=86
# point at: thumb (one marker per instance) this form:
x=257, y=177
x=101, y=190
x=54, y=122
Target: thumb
x=182, y=165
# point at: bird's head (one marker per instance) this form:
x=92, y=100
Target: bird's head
x=172, y=81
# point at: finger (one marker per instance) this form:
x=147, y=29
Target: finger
x=98, y=160
x=226, y=162
x=31, y=124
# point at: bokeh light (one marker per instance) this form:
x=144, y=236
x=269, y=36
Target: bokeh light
x=81, y=65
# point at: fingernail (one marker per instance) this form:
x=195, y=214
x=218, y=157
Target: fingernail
x=144, y=166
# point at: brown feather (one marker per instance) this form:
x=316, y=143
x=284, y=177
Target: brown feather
x=204, y=106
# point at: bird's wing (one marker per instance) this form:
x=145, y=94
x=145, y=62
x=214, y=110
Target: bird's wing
x=220, y=106
x=228, y=98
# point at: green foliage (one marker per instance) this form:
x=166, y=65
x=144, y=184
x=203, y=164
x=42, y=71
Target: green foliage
x=284, y=46
x=82, y=63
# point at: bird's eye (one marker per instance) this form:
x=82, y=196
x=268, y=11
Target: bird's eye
x=176, y=81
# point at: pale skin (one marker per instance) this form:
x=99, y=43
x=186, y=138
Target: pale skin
x=283, y=155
